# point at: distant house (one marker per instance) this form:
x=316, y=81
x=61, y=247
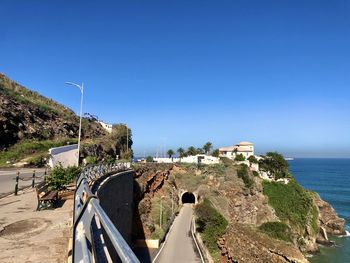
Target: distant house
x=198, y=159
x=106, y=126
x=244, y=148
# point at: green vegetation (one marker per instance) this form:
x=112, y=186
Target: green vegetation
x=149, y=159
x=216, y=153
x=161, y=216
x=252, y=159
x=38, y=161
x=239, y=158
x=207, y=147
x=60, y=177
x=275, y=164
x=191, y=151
x=170, y=153
x=212, y=225
x=29, y=148
x=91, y=160
x=26, y=96
x=181, y=152
x=189, y=180
x=277, y=230
x=242, y=172
x=292, y=203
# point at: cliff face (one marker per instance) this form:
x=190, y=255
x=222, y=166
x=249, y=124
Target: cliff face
x=246, y=209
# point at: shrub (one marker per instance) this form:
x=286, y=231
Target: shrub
x=239, y=158
x=275, y=164
x=38, y=161
x=255, y=173
x=149, y=159
x=91, y=160
x=242, y=173
x=252, y=159
x=60, y=177
x=211, y=224
x=277, y=230
x=291, y=203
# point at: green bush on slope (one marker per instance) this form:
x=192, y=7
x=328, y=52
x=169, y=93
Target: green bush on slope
x=211, y=224
x=292, y=203
x=277, y=230
x=60, y=177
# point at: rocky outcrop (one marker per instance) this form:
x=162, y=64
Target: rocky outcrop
x=151, y=177
x=328, y=219
x=242, y=243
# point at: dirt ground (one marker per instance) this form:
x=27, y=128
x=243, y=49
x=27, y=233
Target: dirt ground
x=27, y=235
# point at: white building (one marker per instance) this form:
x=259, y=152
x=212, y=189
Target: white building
x=199, y=158
x=244, y=148
x=106, y=126
x=65, y=155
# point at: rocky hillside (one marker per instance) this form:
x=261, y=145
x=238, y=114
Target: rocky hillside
x=31, y=123
x=25, y=114
x=263, y=226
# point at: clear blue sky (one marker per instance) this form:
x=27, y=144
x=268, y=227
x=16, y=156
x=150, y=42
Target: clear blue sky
x=180, y=73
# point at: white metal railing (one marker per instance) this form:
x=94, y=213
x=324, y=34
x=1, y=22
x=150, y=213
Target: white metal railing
x=89, y=215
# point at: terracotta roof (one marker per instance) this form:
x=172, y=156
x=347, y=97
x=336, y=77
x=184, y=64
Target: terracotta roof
x=245, y=144
x=227, y=149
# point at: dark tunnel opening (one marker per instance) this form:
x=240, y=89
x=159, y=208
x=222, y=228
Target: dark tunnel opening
x=188, y=198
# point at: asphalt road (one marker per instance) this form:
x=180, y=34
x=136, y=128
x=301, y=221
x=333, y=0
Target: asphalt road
x=7, y=178
x=179, y=246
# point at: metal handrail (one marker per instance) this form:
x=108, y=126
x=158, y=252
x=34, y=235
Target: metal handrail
x=87, y=208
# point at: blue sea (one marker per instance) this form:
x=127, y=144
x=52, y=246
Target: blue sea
x=331, y=179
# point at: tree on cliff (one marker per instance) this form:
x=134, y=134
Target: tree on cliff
x=274, y=164
x=207, y=147
x=170, y=153
x=122, y=138
x=252, y=159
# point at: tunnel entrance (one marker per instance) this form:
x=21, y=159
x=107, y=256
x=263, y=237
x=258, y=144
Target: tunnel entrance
x=188, y=198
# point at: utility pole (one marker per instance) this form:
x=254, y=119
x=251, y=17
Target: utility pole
x=127, y=139
x=81, y=88
x=161, y=213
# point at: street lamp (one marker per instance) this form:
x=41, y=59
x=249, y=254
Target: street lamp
x=81, y=88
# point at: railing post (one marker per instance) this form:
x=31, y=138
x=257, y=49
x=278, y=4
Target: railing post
x=16, y=186
x=33, y=179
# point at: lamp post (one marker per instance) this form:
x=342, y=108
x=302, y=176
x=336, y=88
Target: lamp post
x=81, y=88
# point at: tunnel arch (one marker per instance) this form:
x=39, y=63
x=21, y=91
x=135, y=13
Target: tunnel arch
x=188, y=198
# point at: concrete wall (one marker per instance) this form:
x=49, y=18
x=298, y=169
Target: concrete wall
x=205, y=159
x=66, y=155
x=116, y=198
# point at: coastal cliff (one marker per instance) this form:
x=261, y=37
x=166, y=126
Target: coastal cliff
x=267, y=221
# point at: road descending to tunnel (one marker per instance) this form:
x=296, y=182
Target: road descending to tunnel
x=179, y=246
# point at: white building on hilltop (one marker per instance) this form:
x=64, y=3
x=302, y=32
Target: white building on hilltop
x=244, y=148
x=106, y=126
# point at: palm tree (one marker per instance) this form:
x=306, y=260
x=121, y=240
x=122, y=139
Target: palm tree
x=207, y=147
x=181, y=152
x=191, y=150
x=170, y=153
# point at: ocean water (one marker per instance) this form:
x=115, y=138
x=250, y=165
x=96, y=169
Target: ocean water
x=331, y=179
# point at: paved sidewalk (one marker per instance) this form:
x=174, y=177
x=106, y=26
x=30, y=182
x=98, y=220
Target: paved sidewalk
x=27, y=235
